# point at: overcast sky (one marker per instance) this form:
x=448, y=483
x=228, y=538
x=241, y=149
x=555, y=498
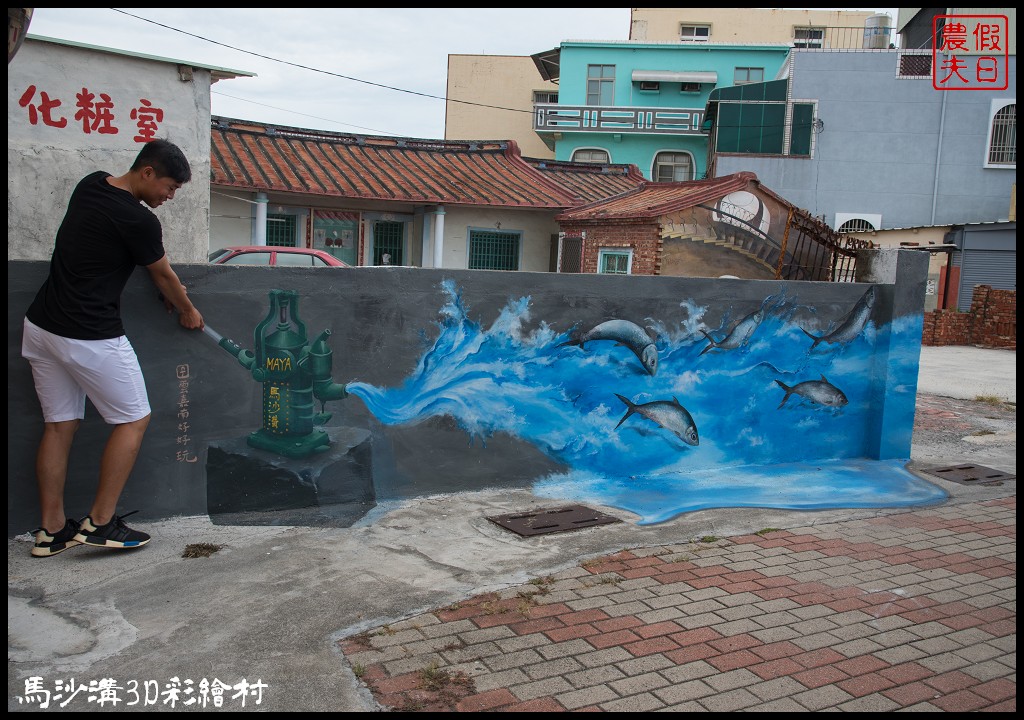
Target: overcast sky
x=402, y=48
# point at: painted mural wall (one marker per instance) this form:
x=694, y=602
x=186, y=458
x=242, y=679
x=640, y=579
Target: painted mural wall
x=314, y=396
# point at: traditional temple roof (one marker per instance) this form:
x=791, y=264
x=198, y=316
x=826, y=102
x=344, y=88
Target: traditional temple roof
x=255, y=156
x=590, y=181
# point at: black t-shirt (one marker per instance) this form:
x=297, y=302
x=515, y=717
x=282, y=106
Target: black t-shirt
x=105, y=234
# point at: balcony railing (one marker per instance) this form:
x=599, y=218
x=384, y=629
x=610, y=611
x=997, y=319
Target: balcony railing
x=844, y=38
x=549, y=118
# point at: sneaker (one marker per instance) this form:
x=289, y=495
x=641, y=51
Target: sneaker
x=115, y=534
x=47, y=544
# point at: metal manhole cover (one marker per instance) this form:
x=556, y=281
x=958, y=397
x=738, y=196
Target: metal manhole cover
x=552, y=520
x=972, y=475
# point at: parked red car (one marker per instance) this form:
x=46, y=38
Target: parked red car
x=274, y=255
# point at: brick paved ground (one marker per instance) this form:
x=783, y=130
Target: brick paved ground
x=906, y=610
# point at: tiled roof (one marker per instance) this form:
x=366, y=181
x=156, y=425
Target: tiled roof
x=653, y=199
x=254, y=156
x=590, y=181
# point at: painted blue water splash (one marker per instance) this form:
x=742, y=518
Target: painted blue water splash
x=758, y=447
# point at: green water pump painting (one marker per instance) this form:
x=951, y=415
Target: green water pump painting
x=294, y=372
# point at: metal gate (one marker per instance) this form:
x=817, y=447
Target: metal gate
x=570, y=253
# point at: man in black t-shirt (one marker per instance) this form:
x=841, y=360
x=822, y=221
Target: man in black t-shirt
x=75, y=341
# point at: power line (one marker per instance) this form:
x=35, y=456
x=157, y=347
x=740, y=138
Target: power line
x=318, y=70
x=317, y=117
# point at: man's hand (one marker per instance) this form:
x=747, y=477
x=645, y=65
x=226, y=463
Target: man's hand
x=167, y=303
x=173, y=294
x=191, y=320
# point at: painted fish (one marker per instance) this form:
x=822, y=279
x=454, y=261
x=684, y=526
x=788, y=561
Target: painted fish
x=819, y=391
x=624, y=332
x=668, y=414
x=852, y=325
x=738, y=336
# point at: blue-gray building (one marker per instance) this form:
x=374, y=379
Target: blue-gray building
x=864, y=140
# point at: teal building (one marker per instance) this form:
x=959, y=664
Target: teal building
x=643, y=103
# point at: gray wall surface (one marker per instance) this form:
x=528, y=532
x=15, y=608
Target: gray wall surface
x=889, y=146
x=49, y=149
x=460, y=380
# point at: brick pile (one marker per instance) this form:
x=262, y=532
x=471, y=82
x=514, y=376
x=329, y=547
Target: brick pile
x=991, y=321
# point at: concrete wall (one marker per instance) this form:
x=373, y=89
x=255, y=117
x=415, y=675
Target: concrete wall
x=749, y=25
x=49, y=148
x=460, y=380
x=491, y=88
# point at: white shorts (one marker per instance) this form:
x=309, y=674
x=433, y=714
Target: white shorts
x=66, y=371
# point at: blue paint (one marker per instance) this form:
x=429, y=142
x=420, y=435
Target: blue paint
x=527, y=382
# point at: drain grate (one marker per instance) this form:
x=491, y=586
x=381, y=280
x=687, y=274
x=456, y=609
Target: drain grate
x=552, y=520
x=972, y=475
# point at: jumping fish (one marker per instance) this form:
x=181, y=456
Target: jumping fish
x=819, y=391
x=624, y=332
x=739, y=335
x=851, y=325
x=668, y=414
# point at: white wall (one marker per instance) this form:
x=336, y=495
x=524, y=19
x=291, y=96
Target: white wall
x=536, y=227
x=45, y=162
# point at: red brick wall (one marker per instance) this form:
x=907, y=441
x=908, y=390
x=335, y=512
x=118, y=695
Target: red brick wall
x=644, y=239
x=991, y=321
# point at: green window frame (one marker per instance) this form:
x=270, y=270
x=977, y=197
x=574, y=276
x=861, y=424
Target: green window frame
x=615, y=262
x=388, y=239
x=803, y=130
x=494, y=250
x=751, y=128
x=281, y=230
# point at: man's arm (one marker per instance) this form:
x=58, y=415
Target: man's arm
x=173, y=292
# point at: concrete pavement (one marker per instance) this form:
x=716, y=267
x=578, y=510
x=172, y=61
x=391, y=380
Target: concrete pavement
x=427, y=605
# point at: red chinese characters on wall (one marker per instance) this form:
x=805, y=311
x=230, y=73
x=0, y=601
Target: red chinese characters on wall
x=970, y=52
x=93, y=113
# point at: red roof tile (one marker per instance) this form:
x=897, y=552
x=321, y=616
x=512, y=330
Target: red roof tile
x=253, y=156
x=653, y=199
x=590, y=181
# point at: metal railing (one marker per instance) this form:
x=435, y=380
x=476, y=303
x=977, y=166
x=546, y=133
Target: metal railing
x=550, y=118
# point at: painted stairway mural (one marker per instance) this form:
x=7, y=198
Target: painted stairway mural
x=658, y=396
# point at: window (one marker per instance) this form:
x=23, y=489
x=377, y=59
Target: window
x=615, y=262
x=600, y=84
x=752, y=128
x=694, y=33
x=249, y=258
x=545, y=97
x=857, y=225
x=281, y=230
x=388, y=242
x=689, y=87
x=808, y=37
x=747, y=75
x=298, y=260
x=1002, y=135
x=591, y=156
x=493, y=250
x=915, y=66
x=673, y=167
x=650, y=85
x=857, y=222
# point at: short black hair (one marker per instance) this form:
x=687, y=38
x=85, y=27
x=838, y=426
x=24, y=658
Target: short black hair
x=166, y=158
